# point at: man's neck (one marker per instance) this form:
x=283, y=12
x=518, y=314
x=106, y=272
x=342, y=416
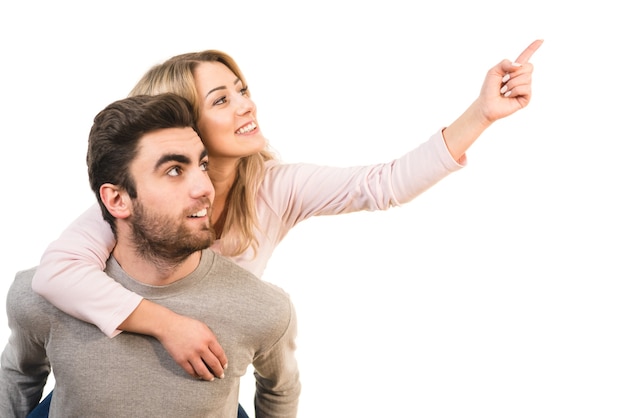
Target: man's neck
x=151, y=271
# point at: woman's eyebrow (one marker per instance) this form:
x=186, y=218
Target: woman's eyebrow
x=237, y=80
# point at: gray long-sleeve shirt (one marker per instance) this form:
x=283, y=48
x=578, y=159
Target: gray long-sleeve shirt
x=133, y=375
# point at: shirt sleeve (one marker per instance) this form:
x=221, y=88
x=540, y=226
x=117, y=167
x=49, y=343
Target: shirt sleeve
x=71, y=276
x=298, y=191
x=278, y=380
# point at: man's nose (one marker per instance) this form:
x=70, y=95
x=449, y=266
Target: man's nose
x=202, y=185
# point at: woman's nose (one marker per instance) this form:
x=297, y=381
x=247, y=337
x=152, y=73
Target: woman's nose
x=245, y=105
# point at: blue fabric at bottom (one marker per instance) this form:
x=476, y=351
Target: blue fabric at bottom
x=41, y=411
x=241, y=413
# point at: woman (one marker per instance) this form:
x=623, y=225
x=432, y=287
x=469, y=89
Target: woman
x=258, y=199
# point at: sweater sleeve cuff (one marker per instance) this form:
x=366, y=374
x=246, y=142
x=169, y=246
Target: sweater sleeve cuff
x=126, y=308
x=450, y=162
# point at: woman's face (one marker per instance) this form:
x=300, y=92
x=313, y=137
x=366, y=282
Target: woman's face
x=227, y=122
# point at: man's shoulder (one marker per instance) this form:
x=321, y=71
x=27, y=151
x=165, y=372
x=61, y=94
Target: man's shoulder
x=235, y=274
x=21, y=298
x=226, y=266
x=22, y=282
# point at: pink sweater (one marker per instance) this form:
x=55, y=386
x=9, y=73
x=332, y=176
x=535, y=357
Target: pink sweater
x=71, y=274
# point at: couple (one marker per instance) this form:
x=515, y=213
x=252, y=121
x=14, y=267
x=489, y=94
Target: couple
x=257, y=200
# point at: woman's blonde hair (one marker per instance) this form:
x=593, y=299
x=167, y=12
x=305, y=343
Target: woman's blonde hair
x=176, y=75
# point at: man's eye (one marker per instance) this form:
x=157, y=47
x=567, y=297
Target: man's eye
x=204, y=166
x=174, y=172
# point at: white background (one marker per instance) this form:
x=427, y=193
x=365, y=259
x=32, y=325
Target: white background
x=498, y=293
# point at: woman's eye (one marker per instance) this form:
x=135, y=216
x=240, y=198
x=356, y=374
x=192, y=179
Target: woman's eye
x=220, y=101
x=244, y=91
x=174, y=172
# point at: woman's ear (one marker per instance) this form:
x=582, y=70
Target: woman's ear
x=116, y=200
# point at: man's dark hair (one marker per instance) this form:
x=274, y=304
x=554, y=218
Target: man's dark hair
x=116, y=132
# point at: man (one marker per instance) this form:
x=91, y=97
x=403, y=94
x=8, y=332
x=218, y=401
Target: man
x=147, y=167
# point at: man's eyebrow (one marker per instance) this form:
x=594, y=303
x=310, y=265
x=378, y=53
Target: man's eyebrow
x=237, y=80
x=167, y=158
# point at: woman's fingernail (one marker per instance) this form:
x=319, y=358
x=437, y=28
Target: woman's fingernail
x=506, y=78
x=503, y=90
x=507, y=94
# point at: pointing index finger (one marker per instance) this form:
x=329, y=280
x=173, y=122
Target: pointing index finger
x=529, y=51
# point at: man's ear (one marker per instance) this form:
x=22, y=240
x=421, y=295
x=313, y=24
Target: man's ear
x=116, y=200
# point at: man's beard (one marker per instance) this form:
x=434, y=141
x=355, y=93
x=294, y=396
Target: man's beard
x=165, y=240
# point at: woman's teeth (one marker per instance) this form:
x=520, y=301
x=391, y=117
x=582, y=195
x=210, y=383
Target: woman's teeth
x=245, y=129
